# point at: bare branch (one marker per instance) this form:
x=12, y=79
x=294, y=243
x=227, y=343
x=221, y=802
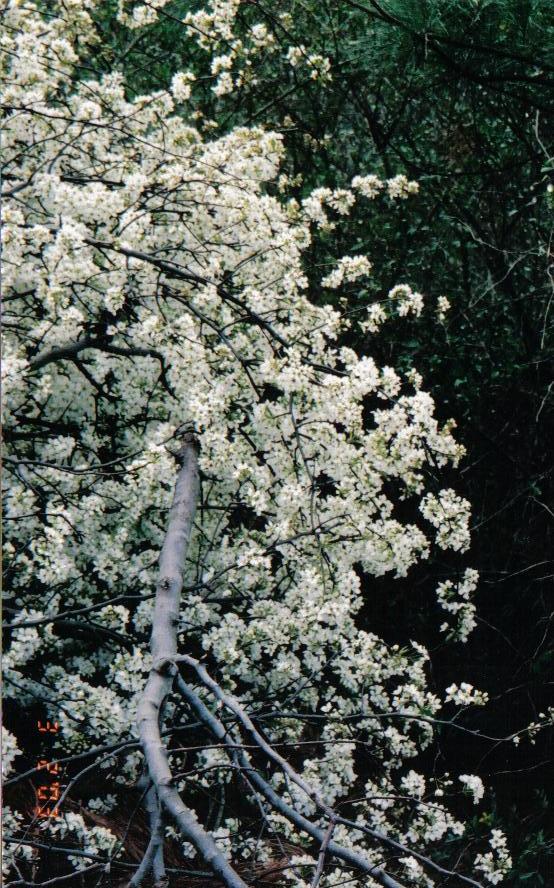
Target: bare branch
x=322, y=853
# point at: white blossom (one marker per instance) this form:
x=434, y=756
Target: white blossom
x=181, y=85
x=465, y=695
x=474, y=786
x=159, y=284
x=443, y=306
x=496, y=863
x=401, y=187
x=348, y=268
x=369, y=186
x=9, y=751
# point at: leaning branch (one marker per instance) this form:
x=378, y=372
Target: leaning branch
x=160, y=679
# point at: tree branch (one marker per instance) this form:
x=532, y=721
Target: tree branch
x=164, y=647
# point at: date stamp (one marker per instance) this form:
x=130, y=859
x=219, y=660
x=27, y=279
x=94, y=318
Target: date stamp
x=48, y=793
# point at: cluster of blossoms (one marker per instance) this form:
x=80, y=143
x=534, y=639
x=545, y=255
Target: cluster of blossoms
x=414, y=806
x=181, y=85
x=138, y=15
x=93, y=840
x=449, y=514
x=157, y=284
x=319, y=66
x=474, y=785
x=443, y=306
x=10, y=750
x=455, y=598
x=496, y=863
x=349, y=268
x=397, y=188
x=401, y=187
x=466, y=695
x=415, y=872
x=533, y=728
x=315, y=208
x=12, y=822
x=401, y=301
x=408, y=301
x=232, y=59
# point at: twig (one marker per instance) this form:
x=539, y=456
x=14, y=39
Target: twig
x=322, y=852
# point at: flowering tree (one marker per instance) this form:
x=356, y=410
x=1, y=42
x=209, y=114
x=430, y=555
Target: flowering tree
x=170, y=388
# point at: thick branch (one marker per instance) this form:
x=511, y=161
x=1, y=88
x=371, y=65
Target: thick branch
x=72, y=349
x=60, y=353
x=164, y=647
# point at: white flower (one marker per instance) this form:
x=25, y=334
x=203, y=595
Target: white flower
x=181, y=85
x=12, y=822
x=349, y=268
x=455, y=598
x=449, y=514
x=9, y=751
x=497, y=863
x=465, y=695
x=376, y=316
x=224, y=84
x=320, y=67
x=401, y=187
x=413, y=784
x=443, y=306
x=474, y=786
x=295, y=54
x=102, y=805
x=368, y=186
x=407, y=301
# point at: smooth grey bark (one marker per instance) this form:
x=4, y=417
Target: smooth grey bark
x=164, y=648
